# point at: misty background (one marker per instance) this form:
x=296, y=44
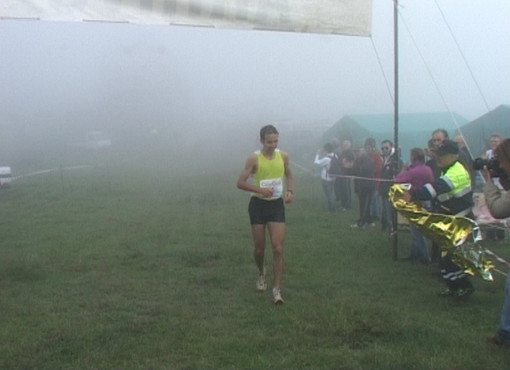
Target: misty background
x=170, y=96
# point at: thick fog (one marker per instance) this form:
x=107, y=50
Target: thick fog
x=165, y=93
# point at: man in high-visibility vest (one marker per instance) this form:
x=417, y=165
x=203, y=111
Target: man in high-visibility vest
x=451, y=194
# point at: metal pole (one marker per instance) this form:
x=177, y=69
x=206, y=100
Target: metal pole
x=61, y=170
x=395, y=120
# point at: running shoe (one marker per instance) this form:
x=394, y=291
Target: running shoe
x=464, y=293
x=446, y=293
x=497, y=340
x=261, y=281
x=277, y=296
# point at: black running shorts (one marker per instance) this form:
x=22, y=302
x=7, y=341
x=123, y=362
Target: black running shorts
x=264, y=211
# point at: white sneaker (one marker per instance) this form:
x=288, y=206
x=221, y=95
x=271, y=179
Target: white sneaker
x=261, y=281
x=277, y=296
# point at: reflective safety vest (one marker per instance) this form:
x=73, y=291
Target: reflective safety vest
x=451, y=192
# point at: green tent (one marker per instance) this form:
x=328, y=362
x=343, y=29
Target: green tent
x=415, y=129
x=478, y=131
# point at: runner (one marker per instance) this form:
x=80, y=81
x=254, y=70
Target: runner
x=263, y=176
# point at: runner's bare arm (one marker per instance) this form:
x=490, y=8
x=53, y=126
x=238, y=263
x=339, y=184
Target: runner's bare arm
x=289, y=180
x=242, y=182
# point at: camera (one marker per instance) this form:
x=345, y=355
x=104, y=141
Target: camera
x=491, y=164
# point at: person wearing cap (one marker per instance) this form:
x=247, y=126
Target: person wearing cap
x=450, y=194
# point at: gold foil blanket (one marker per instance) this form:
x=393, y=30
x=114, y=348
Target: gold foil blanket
x=456, y=235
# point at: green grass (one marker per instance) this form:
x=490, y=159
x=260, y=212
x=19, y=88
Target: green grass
x=120, y=269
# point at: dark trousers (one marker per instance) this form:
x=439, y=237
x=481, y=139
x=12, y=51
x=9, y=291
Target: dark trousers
x=387, y=213
x=495, y=233
x=435, y=252
x=365, y=201
x=343, y=192
x=454, y=276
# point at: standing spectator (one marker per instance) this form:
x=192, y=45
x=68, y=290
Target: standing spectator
x=363, y=187
x=493, y=233
x=323, y=159
x=375, y=157
x=465, y=157
x=494, y=141
x=439, y=135
x=452, y=195
x=418, y=174
x=432, y=162
x=391, y=166
x=498, y=203
x=343, y=183
x=432, y=145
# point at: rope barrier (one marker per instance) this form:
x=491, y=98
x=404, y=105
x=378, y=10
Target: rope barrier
x=41, y=172
x=496, y=257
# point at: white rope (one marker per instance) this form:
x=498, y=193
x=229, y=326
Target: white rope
x=430, y=73
x=41, y=172
x=499, y=259
x=434, y=80
x=463, y=57
x=382, y=71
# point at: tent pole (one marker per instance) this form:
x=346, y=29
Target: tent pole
x=395, y=120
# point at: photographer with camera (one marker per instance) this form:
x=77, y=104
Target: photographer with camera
x=498, y=203
x=492, y=233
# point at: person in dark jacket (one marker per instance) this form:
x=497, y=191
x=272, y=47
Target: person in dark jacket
x=391, y=166
x=363, y=187
x=375, y=156
x=343, y=188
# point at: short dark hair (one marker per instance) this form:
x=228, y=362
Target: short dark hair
x=329, y=147
x=387, y=141
x=418, y=154
x=370, y=142
x=448, y=147
x=267, y=130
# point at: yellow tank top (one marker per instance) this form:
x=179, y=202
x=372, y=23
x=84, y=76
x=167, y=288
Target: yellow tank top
x=269, y=174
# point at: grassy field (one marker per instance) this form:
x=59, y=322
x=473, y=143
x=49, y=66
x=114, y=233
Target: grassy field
x=109, y=268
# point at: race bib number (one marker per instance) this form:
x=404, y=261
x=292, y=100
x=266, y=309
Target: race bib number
x=275, y=184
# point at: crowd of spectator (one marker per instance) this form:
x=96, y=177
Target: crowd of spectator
x=368, y=172
x=442, y=178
